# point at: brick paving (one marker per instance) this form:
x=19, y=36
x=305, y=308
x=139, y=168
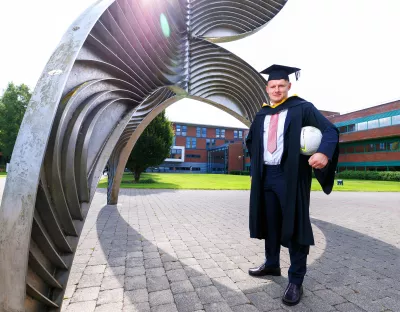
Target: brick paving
x=166, y=250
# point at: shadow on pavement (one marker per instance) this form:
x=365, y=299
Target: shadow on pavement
x=352, y=271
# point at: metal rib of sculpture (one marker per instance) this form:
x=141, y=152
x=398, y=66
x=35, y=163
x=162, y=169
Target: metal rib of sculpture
x=119, y=65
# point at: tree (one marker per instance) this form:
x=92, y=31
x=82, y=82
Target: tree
x=152, y=147
x=13, y=105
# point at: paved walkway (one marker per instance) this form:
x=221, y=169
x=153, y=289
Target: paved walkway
x=189, y=251
x=162, y=251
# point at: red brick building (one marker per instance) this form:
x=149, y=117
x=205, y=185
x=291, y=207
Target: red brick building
x=206, y=149
x=369, y=140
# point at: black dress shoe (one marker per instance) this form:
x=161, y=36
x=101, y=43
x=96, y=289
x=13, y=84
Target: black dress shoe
x=292, y=294
x=264, y=270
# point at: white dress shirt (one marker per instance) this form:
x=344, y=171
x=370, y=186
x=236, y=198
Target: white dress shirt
x=275, y=157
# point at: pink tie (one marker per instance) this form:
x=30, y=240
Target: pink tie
x=273, y=127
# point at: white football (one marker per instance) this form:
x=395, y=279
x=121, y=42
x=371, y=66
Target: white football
x=310, y=139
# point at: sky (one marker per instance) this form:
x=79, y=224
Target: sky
x=348, y=51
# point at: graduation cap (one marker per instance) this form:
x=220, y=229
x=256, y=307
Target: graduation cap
x=277, y=72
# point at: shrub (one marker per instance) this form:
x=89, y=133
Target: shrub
x=370, y=175
x=238, y=172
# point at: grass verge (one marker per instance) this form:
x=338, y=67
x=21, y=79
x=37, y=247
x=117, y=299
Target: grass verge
x=234, y=182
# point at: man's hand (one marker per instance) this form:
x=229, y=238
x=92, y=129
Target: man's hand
x=318, y=161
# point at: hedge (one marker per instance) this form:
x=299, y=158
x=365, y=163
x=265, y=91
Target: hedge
x=238, y=172
x=370, y=175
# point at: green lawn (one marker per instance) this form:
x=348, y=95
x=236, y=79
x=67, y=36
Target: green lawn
x=233, y=182
x=3, y=174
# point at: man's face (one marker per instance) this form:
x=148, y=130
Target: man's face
x=278, y=90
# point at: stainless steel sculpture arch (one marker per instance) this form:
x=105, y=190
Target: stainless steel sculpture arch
x=120, y=64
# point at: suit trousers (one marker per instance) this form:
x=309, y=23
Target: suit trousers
x=274, y=193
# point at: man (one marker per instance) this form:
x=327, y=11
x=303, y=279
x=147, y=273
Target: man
x=281, y=177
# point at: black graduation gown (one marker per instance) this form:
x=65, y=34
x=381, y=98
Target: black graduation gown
x=296, y=224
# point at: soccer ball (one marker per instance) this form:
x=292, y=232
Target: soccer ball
x=310, y=139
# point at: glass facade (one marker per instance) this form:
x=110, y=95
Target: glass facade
x=191, y=142
x=371, y=124
x=384, y=145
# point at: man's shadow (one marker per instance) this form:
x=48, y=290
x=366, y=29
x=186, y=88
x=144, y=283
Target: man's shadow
x=348, y=268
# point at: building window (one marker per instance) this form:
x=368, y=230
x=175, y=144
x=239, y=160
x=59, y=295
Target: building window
x=184, y=130
x=384, y=122
x=174, y=141
x=235, y=134
x=240, y=134
x=396, y=120
x=204, y=132
x=350, y=150
x=191, y=142
x=198, y=130
x=359, y=149
x=370, y=148
x=372, y=124
x=178, y=130
x=380, y=147
x=351, y=128
x=175, y=154
x=220, y=133
x=362, y=126
x=193, y=156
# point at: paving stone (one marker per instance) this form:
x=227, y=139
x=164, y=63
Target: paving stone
x=171, y=307
x=172, y=265
x=181, y=287
x=137, y=307
x=200, y=281
x=245, y=308
x=235, y=298
x=208, y=263
x=237, y=275
x=157, y=283
x=110, y=296
x=109, y=307
x=117, y=270
x=135, y=282
x=78, y=267
x=136, y=296
x=155, y=272
x=135, y=271
x=160, y=297
x=262, y=301
x=353, y=266
x=112, y=282
x=209, y=294
x=94, y=269
x=217, y=307
x=177, y=275
x=85, y=294
x=188, y=302
x=348, y=307
x=87, y=306
x=90, y=280
x=329, y=296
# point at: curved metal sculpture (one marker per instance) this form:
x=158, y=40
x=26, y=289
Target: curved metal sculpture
x=119, y=65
